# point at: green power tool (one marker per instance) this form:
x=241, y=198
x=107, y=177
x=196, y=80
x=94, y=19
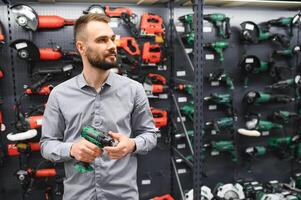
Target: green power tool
x=215, y=78
x=287, y=52
x=258, y=98
x=221, y=22
x=97, y=137
x=220, y=101
x=285, y=146
x=286, y=22
x=218, y=47
x=187, y=21
x=284, y=117
x=188, y=88
x=223, y=146
x=188, y=110
x=218, y=125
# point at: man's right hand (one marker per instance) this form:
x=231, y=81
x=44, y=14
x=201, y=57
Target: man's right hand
x=85, y=151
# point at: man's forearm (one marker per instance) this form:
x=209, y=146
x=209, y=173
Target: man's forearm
x=56, y=151
x=145, y=142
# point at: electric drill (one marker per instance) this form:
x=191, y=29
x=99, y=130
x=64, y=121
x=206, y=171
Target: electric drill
x=219, y=20
x=188, y=88
x=97, y=137
x=187, y=21
x=218, y=47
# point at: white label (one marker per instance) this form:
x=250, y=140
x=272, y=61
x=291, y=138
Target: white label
x=180, y=28
x=209, y=56
x=146, y=182
x=214, y=153
x=249, y=27
x=273, y=182
x=265, y=133
x=188, y=50
x=214, y=83
x=212, y=107
x=258, y=188
x=213, y=132
x=183, y=119
x=181, y=73
x=181, y=146
x=182, y=171
x=159, y=135
x=182, y=99
x=179, y=160
x=39, y=122
x=254, y=183
x=21, y=45
x=207, y=29
x=163, y=96
x=249, y=60
x=113, y=24
x=297, y=48
x=162, y=67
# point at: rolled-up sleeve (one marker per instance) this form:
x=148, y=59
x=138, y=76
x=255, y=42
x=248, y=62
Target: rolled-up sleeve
x=143, y=125
x=52, y=146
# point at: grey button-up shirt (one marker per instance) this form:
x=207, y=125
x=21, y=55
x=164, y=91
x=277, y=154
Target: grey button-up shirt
x=121, y=106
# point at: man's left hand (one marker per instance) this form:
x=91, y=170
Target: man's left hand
x=125, y=146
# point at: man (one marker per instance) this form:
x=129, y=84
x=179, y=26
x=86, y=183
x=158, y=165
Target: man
x=107, y=101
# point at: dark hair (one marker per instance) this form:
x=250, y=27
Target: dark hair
x=82, y=22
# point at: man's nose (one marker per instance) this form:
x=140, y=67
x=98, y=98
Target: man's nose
x=112, y=45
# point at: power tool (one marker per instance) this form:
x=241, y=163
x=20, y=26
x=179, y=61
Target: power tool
x=258, y=98
x=284, y=117
x=27, y=18
x=188, y=88
x=221, y=22
x=152, y=25
x=124, y=13
x=40, y=87
x=206, y=194
x=15, y=149
x=97, y=137
x=252, y=33
x=187, y=21
x=190, y=133
x=163, y=197
x=230, y=191
x=2, y=36
x=151, y=54
x=216, y=126
x=188, y=110
x=256, y=127
x=251, y=153
x=129, y=45
x=286, y=22
x=65, y=70
x=154, y=85
x=218, y=47
x=220, y=102
x=220, y=77
x=188, y=39
x=226, y=146
x=284, y=147
x=289, y=52
x=160, y=117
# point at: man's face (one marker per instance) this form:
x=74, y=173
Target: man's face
x=100, y=48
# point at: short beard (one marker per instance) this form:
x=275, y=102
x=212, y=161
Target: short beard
x=100, y=64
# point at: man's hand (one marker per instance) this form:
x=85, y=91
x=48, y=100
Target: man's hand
x=85, y=151
x=125, y=146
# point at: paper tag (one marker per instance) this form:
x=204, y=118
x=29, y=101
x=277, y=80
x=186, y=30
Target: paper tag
x=188, y=50
x=214, y=153
x=159, y=135
x=212, y=107
x=213, y=132
x=183, y=119
x=249, y=60
x=209, y=56
x=163, y=96
x=214, y=83
x=249, y=27
x=207, y=29
x=265, y=133
x=113, y=24
x=181, y=146
x=258, y=188
x=39, y=121
x=182, y=171
x=146, y=182
x=182, y=99
x=180, y=28
x=254, y=183
x=162, y=67
x=21, y=45
x=274, y=182
x=179, y=160
x=181, y=73
x=297, y=48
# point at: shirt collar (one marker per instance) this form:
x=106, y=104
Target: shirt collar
x=82, y=81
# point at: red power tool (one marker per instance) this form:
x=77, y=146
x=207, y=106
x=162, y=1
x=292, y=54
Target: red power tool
x=164, y=197
x=15, y=149
x=129, y=45
x=151, y=54
x=2, y=37
x=152, y=25
x=160, y=117
x=154, y=84
x=39, y=87
x=126, y=14
x=27, y=18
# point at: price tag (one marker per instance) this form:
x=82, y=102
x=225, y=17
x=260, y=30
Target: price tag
x=212, y=107
x=265, y=133
x=181, y=146
x=183, y=119
x=207, y=29
x=214, y=153
x=182, y=99
x=182, y=171
x=188, y=50
x=249, y=27
x=162, y=67
x=146, y=182
x=21, y=45
x=163, y=96
x=209, y=56
x=181, y=73
x=39, y=122
x=249, y=60
x=214, y=83
x=213, y=132
x=180, y=28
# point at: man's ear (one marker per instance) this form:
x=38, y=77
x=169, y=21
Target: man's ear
x=80, y=47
